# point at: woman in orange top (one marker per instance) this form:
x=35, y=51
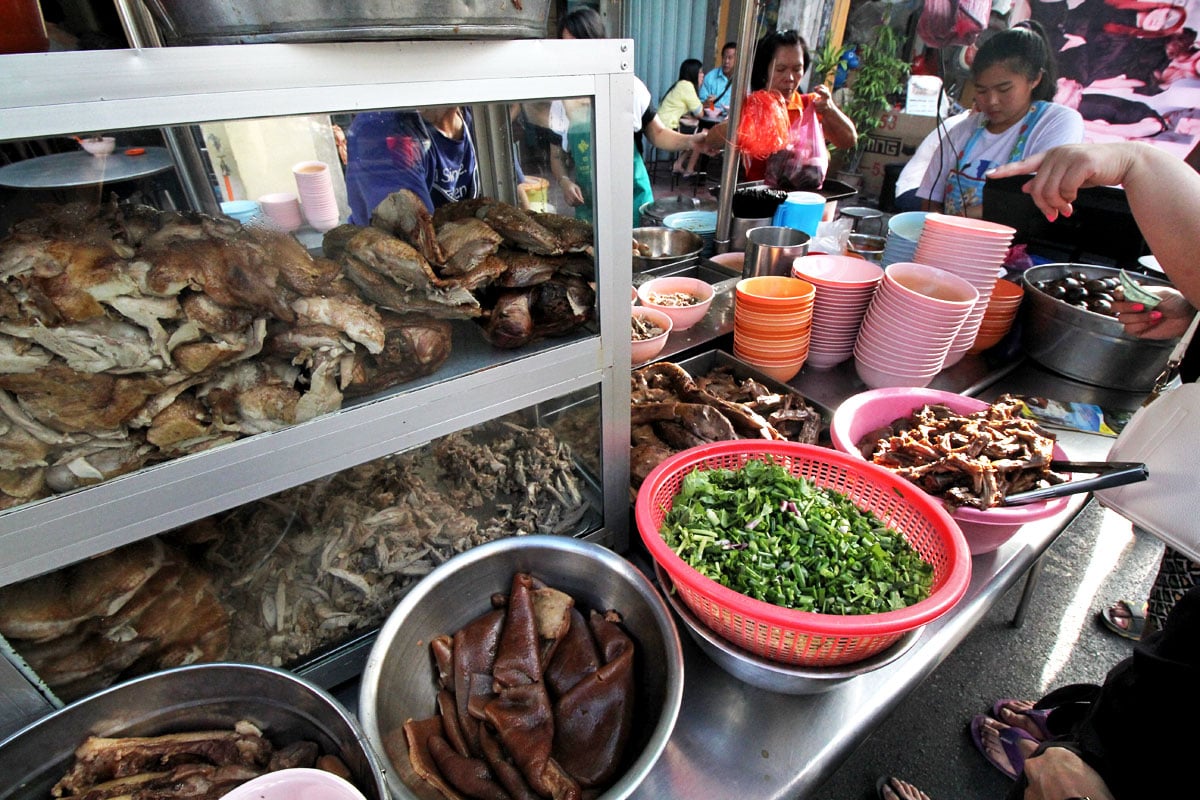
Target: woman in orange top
x=780, y=61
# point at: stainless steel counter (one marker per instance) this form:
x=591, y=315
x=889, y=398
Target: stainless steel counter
x=755, y=744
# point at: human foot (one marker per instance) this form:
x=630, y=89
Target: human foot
x=1004, y=746
x=1125, y=619
x=892, y=788
x=1021, y=714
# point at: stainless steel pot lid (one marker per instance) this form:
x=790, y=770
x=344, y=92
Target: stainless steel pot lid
x=672, y=205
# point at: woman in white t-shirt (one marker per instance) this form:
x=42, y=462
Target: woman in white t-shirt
x=1014, y=78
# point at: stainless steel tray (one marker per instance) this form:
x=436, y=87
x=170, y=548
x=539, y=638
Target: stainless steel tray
x=194, y=22
x=706, y=362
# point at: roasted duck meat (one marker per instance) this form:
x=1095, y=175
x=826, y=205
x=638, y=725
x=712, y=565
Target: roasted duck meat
x=552, y=308
x=190, y=765
x=404, y=214
x=413, y=346
x=466, y=243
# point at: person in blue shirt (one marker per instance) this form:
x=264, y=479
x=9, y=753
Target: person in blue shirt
x=430, y=151
x=716, y=89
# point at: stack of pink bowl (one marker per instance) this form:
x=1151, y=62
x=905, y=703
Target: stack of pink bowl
x=973, y=249
x=314, y=183
x=913, y=319
x=772, y=324
x=844, y=286
x=999, y=317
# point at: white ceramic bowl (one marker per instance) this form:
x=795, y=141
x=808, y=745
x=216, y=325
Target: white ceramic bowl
x=99, y=145
x=296, y=784
x=682, y=317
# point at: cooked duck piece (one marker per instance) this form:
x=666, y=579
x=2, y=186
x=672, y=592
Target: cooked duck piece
x=453, y=212
x=403, y=265
x=100, y=759
x=298, y=270
x=413, y=346
x=466, y=243
x=525, y=269
x=350, y=315
x=212, y=317
x=333, y=243
x=574, y=235
x=71, y=401
x=520, y=229
x=560, y=305
x=233, y=273
x=54, y=604
x=482, y=275
x=403, y=214
x=510, y=323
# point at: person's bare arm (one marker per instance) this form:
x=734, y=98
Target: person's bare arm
x=839, y=129
x=1057, y=772
x=664, y=138
x=558, y=168
x=1163, y=193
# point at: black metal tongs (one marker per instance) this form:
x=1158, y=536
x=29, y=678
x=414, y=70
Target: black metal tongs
x=1109, y=474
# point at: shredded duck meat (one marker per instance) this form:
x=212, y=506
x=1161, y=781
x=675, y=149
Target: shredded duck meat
x=974, y=460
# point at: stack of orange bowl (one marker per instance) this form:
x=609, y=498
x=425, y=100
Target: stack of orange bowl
x=973, y=249
x=844, y=286
x=999, y=317
x=913, y=319
x=772, y=323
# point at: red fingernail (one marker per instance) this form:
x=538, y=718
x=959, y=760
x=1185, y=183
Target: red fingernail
x=1155, y=316
x=1137, y=307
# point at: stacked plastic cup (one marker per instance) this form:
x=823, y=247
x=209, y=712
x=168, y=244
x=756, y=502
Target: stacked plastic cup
x=914, y=318
x=772, y=324
x=844, y=286
x=973, y=249
x=317, y=200
x=283, y=209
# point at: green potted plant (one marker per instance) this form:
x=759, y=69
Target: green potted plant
x=871, y=87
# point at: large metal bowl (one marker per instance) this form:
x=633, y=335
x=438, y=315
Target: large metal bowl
x=194, y=698
x=399, y=683
x=664, y=246
x=1081, y=344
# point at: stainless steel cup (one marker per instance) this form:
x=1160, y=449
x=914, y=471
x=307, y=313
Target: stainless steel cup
x=739, y=227
x=771, y=250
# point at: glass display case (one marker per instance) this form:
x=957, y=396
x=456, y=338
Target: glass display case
x=211, y=388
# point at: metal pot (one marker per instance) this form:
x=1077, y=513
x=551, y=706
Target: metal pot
x=654, y=213
x=1089, y=347
x=198, y=697
x=664, y=246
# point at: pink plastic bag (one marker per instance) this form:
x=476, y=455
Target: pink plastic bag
x=801, y=166
x=763, y=128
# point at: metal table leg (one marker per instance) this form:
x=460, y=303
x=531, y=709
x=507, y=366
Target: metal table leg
x=1031, y=579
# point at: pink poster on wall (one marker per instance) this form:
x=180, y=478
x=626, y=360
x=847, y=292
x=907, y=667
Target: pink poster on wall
x=1130, y=67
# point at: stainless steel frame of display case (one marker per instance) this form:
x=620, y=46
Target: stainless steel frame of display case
x=72, y=93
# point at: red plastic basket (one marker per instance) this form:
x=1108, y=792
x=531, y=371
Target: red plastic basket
x=803, y=637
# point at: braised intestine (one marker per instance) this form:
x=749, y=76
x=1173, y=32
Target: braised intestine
x=534, y=701
x=973, y=459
